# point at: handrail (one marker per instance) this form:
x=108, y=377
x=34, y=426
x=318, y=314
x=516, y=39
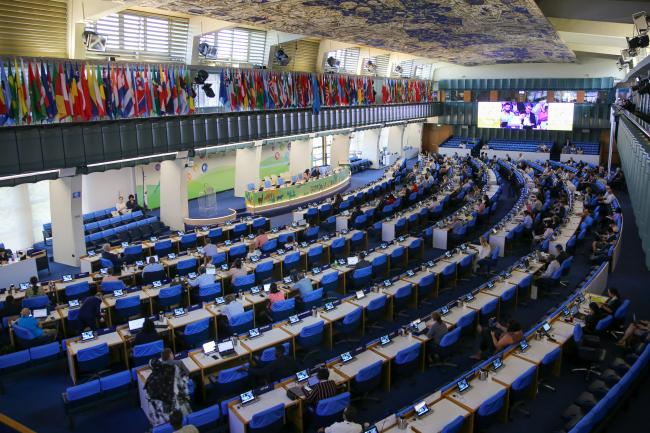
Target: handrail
x=14, y=425
x=641, y=124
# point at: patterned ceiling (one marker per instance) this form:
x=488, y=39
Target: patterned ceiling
x=467, y=32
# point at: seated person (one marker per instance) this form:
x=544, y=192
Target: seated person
x=613, y=301
x=275, y=295
x=132, y=204
x=435, y=332
x=636, y=331
x=260, y=239
x=90, y=312
x=494, y=340
x=233, y=307
x=325, y=388
x=120, y=206
x=148, y=333
x=236, y=270
x=484, y=253
x=10, y=307
x=34, y=326
x=176, y=421
x=595, y=315
x=209, y=249
x=348, y=425
x=362, y=263
x=355, y=213
x=302, y=283
x=203, y=279
x=109, y=255
x=152, y=266
x=35, y=288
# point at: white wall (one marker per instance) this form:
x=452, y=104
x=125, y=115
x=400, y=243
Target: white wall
x=395, y=139
x=15, y=213
x=101, y=190
x=340, y=150
x=247, y=163
x=300, y=155
x=413, y=135
x=369, y=144
x=587, y=65
x=67, y=220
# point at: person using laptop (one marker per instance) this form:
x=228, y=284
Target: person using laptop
x=176, y=421
x=348, y=425
x=35, y=288
x=236, y=270
x=109, y=255
x=265, y=373
x=203, y=279
x=260, y=239
x=209, y=250
x=233, y=307
x=595, y=315
x=613, y=301
x=435, y=332
x=362, y=263
x=90, y=313
x=302, y=283
x=483, y=256
x=34, y=326
x=148, y=333
x=324, y=388
x=498, y=338
x=10, y=308
x=275, y=295
x=152, y=266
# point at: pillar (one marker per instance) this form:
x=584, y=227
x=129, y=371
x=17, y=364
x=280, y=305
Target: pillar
x=16, y=216
x=173, y=193
x=413, y=136
x=247, y=168
x=370, y=145
x=340, y=152
x=300, y=154
x=68, y=240
x=395, y=139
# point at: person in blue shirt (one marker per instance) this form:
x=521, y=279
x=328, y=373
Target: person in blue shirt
x=153, y=266
x=303, y=284
x=203, y=279
x=34, y=326
x=90, y=311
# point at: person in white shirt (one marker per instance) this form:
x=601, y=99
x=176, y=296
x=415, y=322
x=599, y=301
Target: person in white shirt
x=210, y=249
x=347, y=425
x=544, y=281
x=484, y=251
x=609, y=196
x=120, y=206
x=203, y=279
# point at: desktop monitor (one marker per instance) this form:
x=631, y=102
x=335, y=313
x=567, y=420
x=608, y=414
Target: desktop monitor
x=136, y=324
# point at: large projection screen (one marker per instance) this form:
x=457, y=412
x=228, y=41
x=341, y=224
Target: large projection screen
x=551, y=116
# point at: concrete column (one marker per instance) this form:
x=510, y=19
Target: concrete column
x=300, y=155
x=247, y=168
x=370, y=145
x=16, y=216
x=413, y=135
x=395, y=139
x=67, y=220
x=173, y=193
x=340, y=150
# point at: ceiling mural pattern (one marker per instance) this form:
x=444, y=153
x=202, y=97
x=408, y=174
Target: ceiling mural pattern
x=467, y=32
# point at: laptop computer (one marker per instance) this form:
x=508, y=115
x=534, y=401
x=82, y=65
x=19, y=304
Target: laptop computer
x=247, y=397
x=139, y=263
x=255, y=332
x=67, y=278
x=225, y=347
x=371, y=429
x=90, y=253
x=353, y=260
x=523, y=346
x=294, y=319
x=179, y=311
x=497, y=364
x=171, y=256
x=302, y=376
x=462, y=385
x=157, y=283
x=39, y=313
x=219, y=300
x=155, y=258
x=546, y=327
x=87, y=336
x=73, y=303
x=117, y=293
x=136, y=324
x=469, y=297
x=329, y=306
x=103, y=271
x=388, y=283
x=192, y=275
x=346, y=357
x=125, y=244
x=421, y=409
x=360, y=294
x=384, y=340
x=255, y=290
x=444, y=310
x=267, y=287
x=211, y=270
x=209, y=348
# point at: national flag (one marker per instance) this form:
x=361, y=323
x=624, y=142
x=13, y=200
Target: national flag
x=60, y=91
x=183, y=108
x=85, y=93
x=148, y=95
x=155, y=89
x=141, y=100
x=5, y=95
x=38, y=111
x=126, y=93
x=223, y=97
x=315, y=105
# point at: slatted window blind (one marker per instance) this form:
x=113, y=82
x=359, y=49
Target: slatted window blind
x=408, y=67
x=424, y=72
x=238, y=45
x=34, y=28
x=132, y=35
x=381, y=62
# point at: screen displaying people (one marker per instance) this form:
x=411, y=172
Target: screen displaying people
x=526, y=115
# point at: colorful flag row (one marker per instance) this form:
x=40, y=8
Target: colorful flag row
x=35, y=92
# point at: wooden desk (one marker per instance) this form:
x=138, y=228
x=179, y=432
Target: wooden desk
x=390, y=351
x=360, y=361
x=240, y=415
x=442, y=413
x=513, y=367
x=473, y=398
x=537, y=350
x=270, y=338
x=112, y=339
x=481, y=299
x=562, y=331
x=455, y=314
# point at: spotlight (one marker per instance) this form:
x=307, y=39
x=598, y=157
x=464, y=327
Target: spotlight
x=640, y=41
x=398, y=69
x=371, y=67
x=333, y=62
x=640, y=20
x=200, y=78
x=628, y=54
x=207, y=51
x=94, y=41
x=281, y=58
